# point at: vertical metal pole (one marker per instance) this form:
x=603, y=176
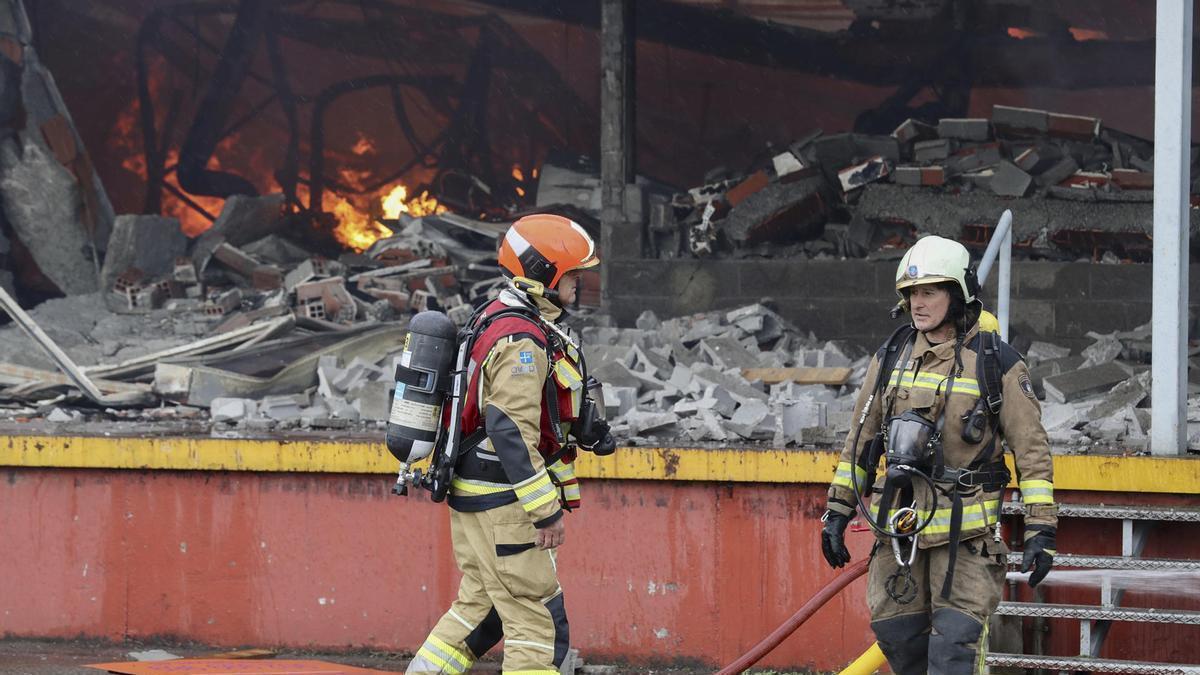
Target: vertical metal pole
x=1004, y=284
x=1172, y=164
x=615, y=130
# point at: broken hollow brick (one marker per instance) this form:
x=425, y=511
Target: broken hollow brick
x=220, y=304
x=919, y=175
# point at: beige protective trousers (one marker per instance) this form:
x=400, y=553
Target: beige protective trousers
x=932, y=634
x=509, y=589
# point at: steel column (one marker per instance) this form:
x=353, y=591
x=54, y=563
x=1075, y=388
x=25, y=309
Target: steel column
x=1172, y=141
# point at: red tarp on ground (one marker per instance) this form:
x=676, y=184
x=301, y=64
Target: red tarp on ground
x=229, y=667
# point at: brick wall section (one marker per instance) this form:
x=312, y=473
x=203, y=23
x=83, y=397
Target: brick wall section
x=850, y=299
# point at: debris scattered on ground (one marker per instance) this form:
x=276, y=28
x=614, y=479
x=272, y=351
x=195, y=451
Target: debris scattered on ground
x=1082, y=189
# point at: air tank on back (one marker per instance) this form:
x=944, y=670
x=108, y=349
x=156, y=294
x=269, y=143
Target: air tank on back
x=422, y=382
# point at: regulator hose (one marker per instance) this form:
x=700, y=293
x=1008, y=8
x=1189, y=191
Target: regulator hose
x=788, y=627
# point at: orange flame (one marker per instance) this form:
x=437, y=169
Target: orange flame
x=357, y=230
x=517, y=174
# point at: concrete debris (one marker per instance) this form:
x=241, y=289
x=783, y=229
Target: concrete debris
x=1059, y=167
x=1105, y=349
x=232, y=409
x=1084, y=382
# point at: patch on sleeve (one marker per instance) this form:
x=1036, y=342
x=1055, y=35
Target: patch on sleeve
x=526, y=357
x=1026, y=386
x=524, y=369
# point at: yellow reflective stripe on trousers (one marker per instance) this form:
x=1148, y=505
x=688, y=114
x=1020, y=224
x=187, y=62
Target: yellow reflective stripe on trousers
x=973, y=516
x=536, y=491
x=441, y=653
x=843, y=477
x=1037, y=491
x=962, y=385
x=479, y=487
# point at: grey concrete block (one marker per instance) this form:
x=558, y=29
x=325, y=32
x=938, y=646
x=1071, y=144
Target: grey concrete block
x=1084, y=382
x=964, y=129
x=1009, y=181
x=1060, y=171
x=618, y=400
x=647, y=320
x=1020, y=119
x=931, y=151
x=280, y=408
x=615, y=374
x=231, y=409
x=725, y=352
x=641, y=421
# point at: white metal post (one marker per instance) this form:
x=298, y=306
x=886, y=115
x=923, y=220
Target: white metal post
x=1172, y=163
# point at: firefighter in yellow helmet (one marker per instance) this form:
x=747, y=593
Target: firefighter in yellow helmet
x=526, y=400
x=941, y=400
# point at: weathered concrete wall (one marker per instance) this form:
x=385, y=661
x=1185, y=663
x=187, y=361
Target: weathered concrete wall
x=850, y=299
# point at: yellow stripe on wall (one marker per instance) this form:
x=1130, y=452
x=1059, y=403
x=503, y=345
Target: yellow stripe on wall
x=739, y=465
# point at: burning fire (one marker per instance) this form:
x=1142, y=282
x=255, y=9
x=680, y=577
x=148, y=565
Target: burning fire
x=357, y=227
x=357, y=230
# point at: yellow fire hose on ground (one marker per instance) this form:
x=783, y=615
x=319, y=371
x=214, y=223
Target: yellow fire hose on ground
x=871, y=661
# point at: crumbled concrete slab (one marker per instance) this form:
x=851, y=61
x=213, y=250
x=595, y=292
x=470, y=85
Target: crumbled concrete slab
x=1084, y=382
x=647, y=321
x=1044, y=351
x=148, y=243
x=1129, y=393
x=43, y=204
x=1106, y=348
x=726, y=352
x=642, y=421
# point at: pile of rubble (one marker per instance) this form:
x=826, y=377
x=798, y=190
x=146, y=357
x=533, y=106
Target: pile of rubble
x=849, y=195
x=724, y=377
x=243, y=320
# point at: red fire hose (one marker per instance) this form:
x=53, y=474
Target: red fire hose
x=817, y=601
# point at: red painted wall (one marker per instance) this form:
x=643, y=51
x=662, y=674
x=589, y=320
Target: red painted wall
x=652, y=570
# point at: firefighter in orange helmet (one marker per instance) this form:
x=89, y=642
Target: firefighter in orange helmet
x=527, y=389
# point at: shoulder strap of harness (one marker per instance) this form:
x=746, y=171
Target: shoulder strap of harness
x=889, y=354
x=987, y=366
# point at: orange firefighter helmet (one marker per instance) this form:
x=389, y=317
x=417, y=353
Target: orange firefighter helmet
x=543, y=247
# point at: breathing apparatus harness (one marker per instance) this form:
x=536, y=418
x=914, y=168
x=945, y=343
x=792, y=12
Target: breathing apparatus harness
x=450, y=444
x=912, y=447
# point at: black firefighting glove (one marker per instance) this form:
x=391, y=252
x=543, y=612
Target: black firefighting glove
x=593, y=431
x=833, y=539
x=602, y=441
x=1039, y=552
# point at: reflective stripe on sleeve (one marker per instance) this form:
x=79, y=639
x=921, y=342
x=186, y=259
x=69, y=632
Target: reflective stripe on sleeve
x=843, y=476
x=1037, y=491
x=536, y=491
